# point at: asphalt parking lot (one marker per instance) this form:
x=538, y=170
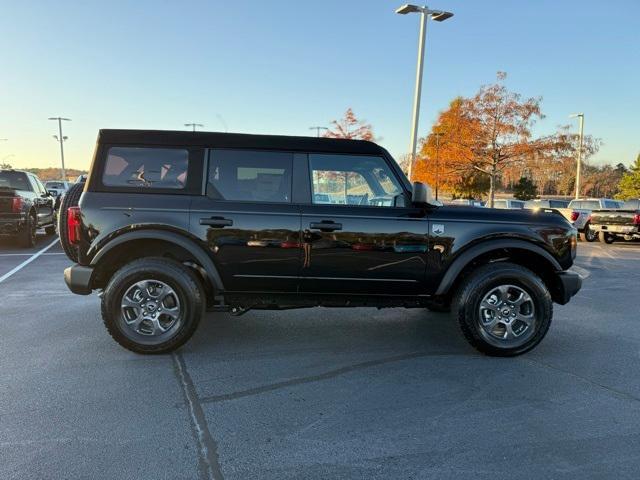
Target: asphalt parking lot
x=347, y=393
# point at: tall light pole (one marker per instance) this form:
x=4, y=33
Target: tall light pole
x=317, y=129
x=580, y=146
x=425, y=14
x=438, y=135
x=61, y=139
x=194, y=125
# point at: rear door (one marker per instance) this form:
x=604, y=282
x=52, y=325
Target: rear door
x=360, y=233
x=248, y=220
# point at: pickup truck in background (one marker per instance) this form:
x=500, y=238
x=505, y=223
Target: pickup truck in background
x=25, y=205
x=620, y=223
x=581, y=209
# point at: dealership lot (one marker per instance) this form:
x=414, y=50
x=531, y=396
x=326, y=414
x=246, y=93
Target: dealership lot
x=345, y=393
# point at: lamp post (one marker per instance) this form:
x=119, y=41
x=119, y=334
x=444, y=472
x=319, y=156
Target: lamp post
x=194, y=125
x=61, y=139
x=438, y=135
x=579, y=161
x=425, y=14
x=318, y=129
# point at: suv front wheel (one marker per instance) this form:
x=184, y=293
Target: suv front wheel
x=503, y=309
x=152, y=305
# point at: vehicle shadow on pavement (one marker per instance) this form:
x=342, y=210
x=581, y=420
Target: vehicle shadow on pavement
x=330, y=330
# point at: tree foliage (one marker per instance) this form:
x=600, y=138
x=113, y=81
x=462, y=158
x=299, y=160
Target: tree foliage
x=525, y=189
x=350, y=127
x=630, y=182
x=491, y=133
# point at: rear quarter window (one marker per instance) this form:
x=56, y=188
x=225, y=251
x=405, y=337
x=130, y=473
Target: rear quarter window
x=146, y=168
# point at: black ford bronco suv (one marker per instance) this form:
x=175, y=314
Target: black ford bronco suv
x=170, y=224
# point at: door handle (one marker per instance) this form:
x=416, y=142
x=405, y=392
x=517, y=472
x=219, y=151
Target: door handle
x=325, y=226
x=216, y=222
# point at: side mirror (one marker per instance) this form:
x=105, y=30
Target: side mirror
x=422, y=195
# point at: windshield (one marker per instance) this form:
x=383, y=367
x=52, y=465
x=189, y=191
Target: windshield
x=15, y=181
x=54, y=185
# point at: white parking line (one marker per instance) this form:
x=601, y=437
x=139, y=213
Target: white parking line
x=27, y=254
x=27, y=261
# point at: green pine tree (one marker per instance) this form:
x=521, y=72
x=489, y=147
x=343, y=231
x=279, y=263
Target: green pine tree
x=630, y=183
x=525, y=189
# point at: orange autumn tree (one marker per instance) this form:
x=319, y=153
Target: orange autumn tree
x=350, y=127
x=488, y=133
x=445, y=160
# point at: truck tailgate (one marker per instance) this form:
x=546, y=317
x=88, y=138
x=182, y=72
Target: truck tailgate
x=6, y=200
x=613, y=217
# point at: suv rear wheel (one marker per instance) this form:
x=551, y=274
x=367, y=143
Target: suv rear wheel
x=152, y=305
x=70, y=199
x=503, y=309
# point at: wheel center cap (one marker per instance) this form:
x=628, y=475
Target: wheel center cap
x=151, y=306
x=506, y=312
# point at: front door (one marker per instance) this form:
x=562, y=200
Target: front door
x=360, y=234
x=248, y=220
x=43, y=200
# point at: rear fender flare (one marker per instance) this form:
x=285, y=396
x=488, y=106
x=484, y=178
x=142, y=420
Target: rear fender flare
x=180, y=240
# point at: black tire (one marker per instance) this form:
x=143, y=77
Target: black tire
x=607, y=238
x=487, y=279
x=50, y=229
x=589, y=234
x=189, y=297
x=70, y=199
x=438, y=306
x=27, y=237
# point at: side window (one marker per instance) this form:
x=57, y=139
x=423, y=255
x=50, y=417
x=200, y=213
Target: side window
x=353, y=180
x=610, y=204
x=250, y=175
x=41, y=187
x=37, y=186
x=144, y=167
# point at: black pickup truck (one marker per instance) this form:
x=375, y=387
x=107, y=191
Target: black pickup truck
x=25, y=205
x=171, y=224
x=618, y=224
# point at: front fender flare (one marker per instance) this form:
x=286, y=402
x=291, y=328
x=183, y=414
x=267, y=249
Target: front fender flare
x=473, y=252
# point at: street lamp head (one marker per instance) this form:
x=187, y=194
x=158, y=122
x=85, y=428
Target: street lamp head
x=576, y=115
x=60, y=118
x=437, y=15
x=441, y=16
x=404, y=9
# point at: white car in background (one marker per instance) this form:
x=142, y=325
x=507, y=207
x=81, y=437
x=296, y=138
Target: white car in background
x=508, y=204
x=57, y=187
x=467, y=202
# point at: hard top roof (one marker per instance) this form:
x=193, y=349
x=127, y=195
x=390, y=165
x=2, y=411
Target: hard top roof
x=236, y=140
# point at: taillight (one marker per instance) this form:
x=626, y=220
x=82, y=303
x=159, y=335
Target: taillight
x=636, y=219
x=73, y=225
x=574, y=216
x=16, y=204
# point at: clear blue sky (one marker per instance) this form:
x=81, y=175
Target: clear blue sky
x=281, y=66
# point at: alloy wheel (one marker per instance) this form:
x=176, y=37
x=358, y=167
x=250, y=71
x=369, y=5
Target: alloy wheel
x=507, y=316
x=151, y=308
